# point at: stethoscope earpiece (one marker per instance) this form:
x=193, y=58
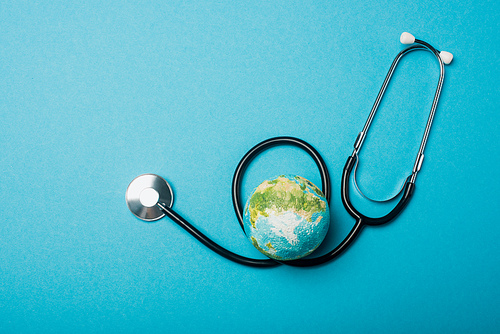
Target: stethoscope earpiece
x=407, y=38
x=146, y=193
x=446, y=57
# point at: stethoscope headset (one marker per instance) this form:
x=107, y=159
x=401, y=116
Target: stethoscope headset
x=149, y=197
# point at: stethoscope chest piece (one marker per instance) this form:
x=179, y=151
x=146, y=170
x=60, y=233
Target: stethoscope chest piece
x=145, y=192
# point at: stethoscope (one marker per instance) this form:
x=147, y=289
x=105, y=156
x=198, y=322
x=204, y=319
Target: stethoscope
x=150, y=197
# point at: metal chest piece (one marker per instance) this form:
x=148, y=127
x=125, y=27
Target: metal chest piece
x=145, y=192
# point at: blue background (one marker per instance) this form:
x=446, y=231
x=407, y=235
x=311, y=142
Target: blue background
x=94, y=94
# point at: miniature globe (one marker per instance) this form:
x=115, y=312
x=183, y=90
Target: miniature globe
x=286, y=218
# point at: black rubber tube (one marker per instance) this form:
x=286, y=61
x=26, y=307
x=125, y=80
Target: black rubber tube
x=361, y=220
x=238, y=209
x=212, y=245
x=408, y=190
x=264, y=145
x=325, y=184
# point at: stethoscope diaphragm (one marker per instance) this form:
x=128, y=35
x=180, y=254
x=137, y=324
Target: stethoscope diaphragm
x=145, y=192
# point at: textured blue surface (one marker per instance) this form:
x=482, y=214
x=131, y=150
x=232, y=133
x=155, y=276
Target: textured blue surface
x=92, y=95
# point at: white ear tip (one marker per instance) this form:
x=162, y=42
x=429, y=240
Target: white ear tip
x=446, y=57
x=407, y=38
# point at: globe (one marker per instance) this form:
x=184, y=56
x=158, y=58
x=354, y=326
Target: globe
x=286, y=217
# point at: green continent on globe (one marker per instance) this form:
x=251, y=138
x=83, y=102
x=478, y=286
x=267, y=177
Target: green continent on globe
x=281, y=194
x=286, y=217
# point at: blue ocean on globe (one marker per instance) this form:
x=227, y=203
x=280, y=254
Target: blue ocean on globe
x=286, y=217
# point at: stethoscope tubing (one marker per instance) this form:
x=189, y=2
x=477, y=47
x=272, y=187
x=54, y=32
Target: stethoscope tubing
x=267, y=144
x=360, y=219
x=179, y=220
x=325, y=185
x=238, y=205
